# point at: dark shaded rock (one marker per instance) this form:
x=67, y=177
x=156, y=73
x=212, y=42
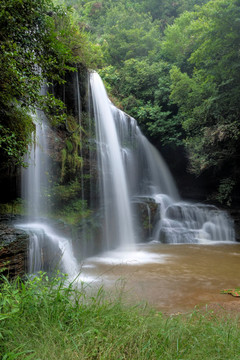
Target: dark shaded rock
x=13, y=251
x=146, y=208
x=235, y=214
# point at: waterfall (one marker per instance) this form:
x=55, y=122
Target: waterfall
x=136, y=199
x=118, y=227
x=132, y=171
x=35, y=176
x=48, y=250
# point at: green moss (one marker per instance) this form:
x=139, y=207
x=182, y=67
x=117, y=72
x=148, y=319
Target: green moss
x=69, y=145
x=72, y=160
x=63, y=167
x=74, y=212
x=15, y=207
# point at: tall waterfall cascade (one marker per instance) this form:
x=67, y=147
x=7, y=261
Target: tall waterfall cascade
x=113, y=182
x=133, y=172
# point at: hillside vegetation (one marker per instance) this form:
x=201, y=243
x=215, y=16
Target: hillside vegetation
x=174, y=66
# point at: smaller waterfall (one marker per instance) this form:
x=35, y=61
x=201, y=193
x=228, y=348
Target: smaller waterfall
x=78, y=112
x=47, y=249
x=35, y=177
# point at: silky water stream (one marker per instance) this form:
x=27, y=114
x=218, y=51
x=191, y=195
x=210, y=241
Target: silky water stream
x=48, y=249
x=179, y=255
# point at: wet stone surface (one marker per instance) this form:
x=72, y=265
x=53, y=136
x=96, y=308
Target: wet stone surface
x=13, y=250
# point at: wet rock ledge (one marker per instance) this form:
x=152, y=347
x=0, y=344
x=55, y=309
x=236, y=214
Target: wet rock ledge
x=13, y=250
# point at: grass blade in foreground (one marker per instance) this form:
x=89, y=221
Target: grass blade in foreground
x=47, y=319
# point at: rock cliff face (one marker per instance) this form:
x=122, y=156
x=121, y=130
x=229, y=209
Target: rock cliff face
x=13, y=251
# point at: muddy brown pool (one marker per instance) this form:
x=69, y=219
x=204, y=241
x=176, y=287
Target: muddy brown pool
x=170, y=278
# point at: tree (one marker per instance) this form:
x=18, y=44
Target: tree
x=206, y=85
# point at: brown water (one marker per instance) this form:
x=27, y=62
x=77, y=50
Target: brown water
x=171, y=278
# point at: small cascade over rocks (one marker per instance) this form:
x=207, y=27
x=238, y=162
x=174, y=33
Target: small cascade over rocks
x=182, y=222
x=141, y=175
x=49, y=250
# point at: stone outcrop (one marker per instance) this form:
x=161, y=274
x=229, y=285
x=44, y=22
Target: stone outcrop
x=147, y=213
x=13, y=251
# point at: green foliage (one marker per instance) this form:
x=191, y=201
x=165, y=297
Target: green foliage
x=44, y=318
x=205, y=86
x=179, y=42
x=65, y=193
x=166, y=10
x=14, y=207
x=224, y=191
x=74, y=212
x=66, y=200
x=143, y=87
x=15, y=133
x=129, y=34
x=39, y=42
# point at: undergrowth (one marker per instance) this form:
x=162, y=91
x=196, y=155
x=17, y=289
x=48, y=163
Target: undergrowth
x=45, y=319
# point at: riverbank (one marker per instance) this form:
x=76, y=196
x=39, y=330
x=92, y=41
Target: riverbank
x=229, y=309
x=43, y=319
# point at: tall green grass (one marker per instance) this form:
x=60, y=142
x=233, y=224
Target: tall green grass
x=45, y=319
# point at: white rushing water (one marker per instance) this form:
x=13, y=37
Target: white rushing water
x=132, y=170
x=48, y=250
x=35, y=176
x=113, y=185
